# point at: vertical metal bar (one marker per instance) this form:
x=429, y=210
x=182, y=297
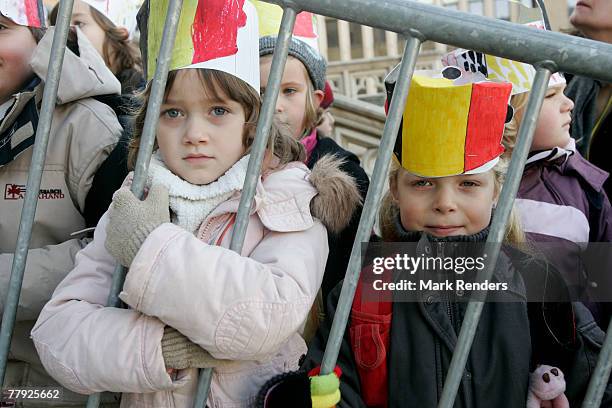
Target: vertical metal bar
x=368, y=215
x=599, y=378
x=204, y=380
x=149, y=130
x=263, y=126
x=41, y=13
x=33, y=184
x=496, y=234
x=542, y=7
x=257, y=153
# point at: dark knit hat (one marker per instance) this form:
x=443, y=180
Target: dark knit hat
x=315, y=64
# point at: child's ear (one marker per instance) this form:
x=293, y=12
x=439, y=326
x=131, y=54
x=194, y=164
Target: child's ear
x=495, y=198
x=318, y=98
x=393, y=189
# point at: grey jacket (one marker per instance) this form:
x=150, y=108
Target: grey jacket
x=83, y=133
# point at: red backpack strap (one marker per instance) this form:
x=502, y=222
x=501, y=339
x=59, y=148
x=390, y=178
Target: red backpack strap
x=370, y=325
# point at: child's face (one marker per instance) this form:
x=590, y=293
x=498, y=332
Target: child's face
x=291, y=103
x=199, y=138
x=553, y=125
x=82, y=18
x=16, y=47
x=445, y=206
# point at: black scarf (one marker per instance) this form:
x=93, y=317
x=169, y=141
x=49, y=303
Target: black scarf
x=29, y=115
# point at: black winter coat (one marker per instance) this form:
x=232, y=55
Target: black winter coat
x=512, y=337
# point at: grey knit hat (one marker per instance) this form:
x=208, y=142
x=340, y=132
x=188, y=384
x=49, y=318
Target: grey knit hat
x=315, y=64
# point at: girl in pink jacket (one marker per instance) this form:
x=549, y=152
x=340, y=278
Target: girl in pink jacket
x=194, y=303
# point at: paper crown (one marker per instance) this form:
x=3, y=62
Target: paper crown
x=22, y=12
x=476, y=66
x=122, y=13
x=213, y=34
x=270, y=16
x=449, y=129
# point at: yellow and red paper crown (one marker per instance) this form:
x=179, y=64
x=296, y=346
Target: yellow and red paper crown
x=22, y=12
x=213, y=34
x=449, y=129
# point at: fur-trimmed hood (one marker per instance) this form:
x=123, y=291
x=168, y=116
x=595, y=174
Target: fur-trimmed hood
x=338, y=196
x=287, y=199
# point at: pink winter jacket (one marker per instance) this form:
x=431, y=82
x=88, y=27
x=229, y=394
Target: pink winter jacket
x=248, y=309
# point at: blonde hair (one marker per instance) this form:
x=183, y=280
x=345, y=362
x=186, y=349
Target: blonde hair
x=313, y=115
x=518, y=102
x=389, y=210
x=220, y=85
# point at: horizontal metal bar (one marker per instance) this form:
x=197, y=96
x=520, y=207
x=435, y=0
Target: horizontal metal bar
x=496, y=235
x=39, y=152
x=372, y=200
x=492, y=36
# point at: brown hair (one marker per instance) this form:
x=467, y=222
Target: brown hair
x=389, y=211
x=220, y=85
x=119, y=52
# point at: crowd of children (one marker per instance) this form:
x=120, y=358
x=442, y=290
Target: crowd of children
x=260, y=318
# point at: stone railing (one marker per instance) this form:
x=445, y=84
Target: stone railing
x=358, y=128
x=364, y=79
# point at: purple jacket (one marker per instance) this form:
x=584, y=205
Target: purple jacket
x=562, y=204
x=564, y=199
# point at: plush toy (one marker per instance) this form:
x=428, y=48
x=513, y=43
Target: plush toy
x=546, y=388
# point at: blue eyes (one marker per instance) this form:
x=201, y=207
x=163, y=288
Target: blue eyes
x=172, y=113
x=176, y=113
x=218, y=111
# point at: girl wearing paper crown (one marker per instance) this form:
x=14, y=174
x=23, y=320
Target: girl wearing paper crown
x=299, y=106
x=194, y=303
x=109, y=25
x=444, y=183
x=82, y=135
x=561, y=199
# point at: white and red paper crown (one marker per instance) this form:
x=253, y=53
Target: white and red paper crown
x=213, y=34
x=22, y=12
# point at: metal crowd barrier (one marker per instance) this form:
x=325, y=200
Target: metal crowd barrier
x=34, y=178
x=548, y=51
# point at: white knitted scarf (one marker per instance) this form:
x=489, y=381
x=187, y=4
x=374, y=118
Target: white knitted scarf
x=190, y=203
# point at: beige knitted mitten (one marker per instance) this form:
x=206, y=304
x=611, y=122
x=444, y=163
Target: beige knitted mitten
x=131, y=220
x=180, y=353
